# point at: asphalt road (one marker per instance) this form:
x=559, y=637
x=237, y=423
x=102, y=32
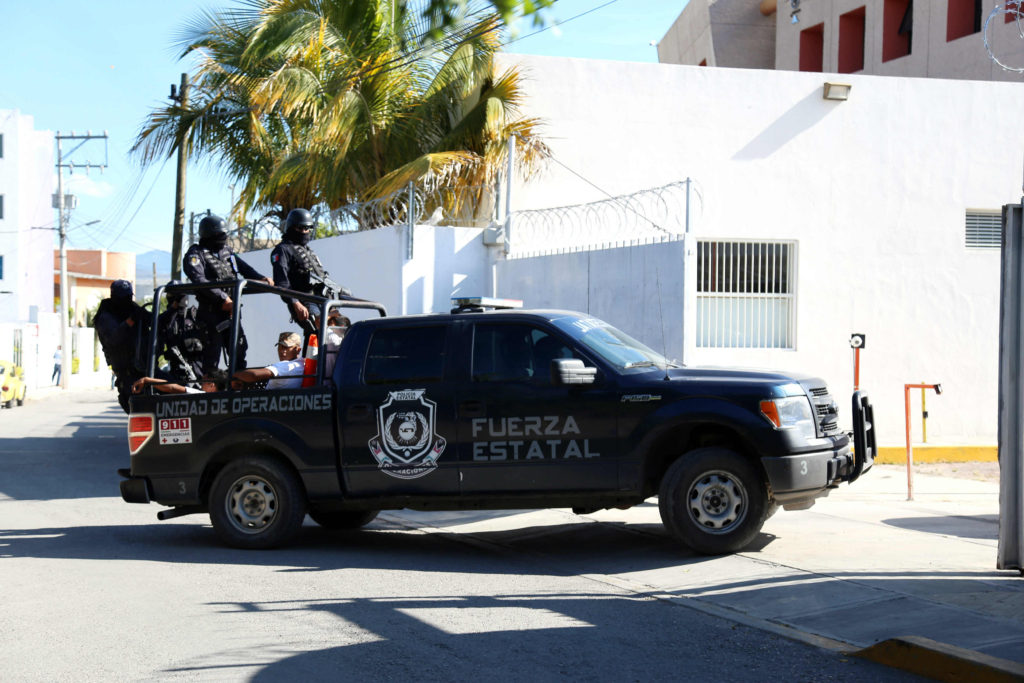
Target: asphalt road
x=94, y=588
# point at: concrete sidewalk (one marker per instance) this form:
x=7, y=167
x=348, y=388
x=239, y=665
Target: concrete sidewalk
x=862, y=566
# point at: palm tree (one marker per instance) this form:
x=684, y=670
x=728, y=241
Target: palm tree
x=329, y=102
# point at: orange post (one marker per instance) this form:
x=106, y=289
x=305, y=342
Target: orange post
x=856, y=368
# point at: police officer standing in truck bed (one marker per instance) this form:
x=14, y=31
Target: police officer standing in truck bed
x=296, y=267
x=212, y=261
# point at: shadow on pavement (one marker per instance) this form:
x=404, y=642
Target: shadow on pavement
x=979, y=526
x=535, y=637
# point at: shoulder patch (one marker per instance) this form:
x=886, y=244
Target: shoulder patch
x=275, y=257
x=194, y=260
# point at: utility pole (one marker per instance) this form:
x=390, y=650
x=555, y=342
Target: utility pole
x=181, y=97
x=60, y=203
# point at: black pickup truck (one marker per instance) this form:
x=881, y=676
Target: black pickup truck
x=486, y=408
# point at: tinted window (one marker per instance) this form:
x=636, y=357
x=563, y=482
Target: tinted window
x=503, y=353
x=406, y=355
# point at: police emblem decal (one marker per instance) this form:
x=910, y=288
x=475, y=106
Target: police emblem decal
x=406, y=445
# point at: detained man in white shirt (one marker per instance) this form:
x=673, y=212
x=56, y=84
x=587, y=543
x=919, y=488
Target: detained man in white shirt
x=285, y=374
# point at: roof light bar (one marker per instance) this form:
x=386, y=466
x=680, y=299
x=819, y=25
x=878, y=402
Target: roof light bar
x=484, y=302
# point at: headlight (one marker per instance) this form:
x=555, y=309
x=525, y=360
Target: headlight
x=791, y=412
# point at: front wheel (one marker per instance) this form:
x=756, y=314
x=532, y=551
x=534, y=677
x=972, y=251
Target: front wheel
x=342, y=519
x=257, y=502
x=21, y=401
x=713, y=500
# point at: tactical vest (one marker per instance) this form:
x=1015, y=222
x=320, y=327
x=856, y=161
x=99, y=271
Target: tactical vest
x=222, y=270
x=308, y=262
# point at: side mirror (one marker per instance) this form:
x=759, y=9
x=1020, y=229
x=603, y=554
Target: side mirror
x=570, y=371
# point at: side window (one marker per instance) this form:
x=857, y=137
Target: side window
x=514, y=352
x=406, y=355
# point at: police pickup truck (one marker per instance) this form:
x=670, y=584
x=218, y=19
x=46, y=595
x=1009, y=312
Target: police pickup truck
x=486, y=408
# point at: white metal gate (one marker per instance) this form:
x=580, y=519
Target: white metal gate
x=745, y=294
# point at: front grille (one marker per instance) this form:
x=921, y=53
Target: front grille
x=826, y=411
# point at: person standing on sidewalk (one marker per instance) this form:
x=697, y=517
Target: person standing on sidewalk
x=57, y=361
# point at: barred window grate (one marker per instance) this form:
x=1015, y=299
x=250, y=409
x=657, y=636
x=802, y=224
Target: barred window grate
x=984, y=229
x=745, y=294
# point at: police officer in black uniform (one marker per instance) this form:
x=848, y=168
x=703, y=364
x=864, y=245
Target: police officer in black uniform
x=181, y=339
x=213, y=261
x=296, y=267
x=122, y=326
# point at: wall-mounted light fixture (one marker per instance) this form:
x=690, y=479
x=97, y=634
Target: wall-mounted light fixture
x=836, y=91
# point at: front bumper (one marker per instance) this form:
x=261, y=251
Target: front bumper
x=803, y=477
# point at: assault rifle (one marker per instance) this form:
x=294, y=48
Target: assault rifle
x=326, y=287
x=186, y=367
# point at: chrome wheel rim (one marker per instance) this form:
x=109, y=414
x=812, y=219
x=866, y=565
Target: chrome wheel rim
x=717, y=502
x=251, y=504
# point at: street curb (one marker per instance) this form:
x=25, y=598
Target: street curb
x=941, y=661
x=891, y=455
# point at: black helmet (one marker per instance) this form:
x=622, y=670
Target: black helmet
x=174, y=296
x=121, y=289
x=298, y=218
x=212, y=227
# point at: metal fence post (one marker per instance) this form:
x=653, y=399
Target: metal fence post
x=1010, y=553
x=411, y=213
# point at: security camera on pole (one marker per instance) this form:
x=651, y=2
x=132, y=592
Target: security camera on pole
x=857, y=341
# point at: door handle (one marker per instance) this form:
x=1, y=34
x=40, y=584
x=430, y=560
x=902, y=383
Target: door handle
x=471, y=409
x=359, y=411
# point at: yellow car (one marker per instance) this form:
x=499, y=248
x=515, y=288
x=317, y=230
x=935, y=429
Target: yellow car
x=12, y=384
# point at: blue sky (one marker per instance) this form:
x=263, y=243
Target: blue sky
x=102, y=65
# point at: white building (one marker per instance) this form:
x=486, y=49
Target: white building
x=28, y=324
x=929, y=38
x=27, y=182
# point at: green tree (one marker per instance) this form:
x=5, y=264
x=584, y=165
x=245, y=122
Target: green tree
x=443, y=14
x=324, y=102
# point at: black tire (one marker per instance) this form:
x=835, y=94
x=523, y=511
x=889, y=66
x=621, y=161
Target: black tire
x=257, y=502
x=342, y=519
x=9, y=404
x=714, y=500
x=21, y=401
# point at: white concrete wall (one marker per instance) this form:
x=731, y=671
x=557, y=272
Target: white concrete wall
x=27, y=180
x=446, y=262
x=874, y=190
x=637, y=289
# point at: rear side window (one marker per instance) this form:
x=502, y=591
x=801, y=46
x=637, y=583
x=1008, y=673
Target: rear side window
x=404, y=355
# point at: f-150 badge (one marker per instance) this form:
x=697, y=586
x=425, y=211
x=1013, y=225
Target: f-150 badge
x=406, y=445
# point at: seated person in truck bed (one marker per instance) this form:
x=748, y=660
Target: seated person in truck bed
x=213, y=381
x=285, y=374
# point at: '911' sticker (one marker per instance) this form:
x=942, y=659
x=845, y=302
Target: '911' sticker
x=175, y=431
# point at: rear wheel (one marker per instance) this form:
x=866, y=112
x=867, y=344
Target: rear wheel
x=257, y=502
x=713, y=500
x=21, y=401
x=342, y=519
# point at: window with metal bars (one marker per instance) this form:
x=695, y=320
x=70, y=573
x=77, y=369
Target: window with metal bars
x=745, y=294
x=984, y=229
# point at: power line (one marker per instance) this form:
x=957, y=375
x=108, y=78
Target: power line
x=617, y=200
x=141, y=203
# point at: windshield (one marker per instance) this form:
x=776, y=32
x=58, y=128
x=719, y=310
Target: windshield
x=613, y=345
